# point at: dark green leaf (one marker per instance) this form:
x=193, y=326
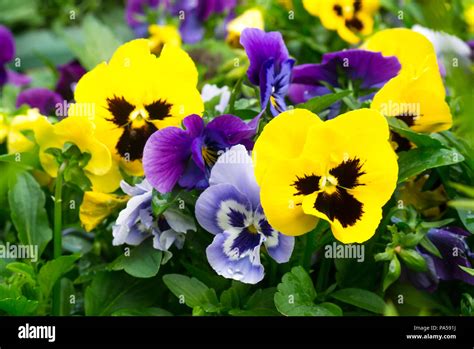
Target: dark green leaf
x=28, y=214
x=413, y=260
x=52, y=272
x=415, y=161
x=393, y=272
x=142, y=312
x=420, y=139
x=360, y=298
x=143, y=262
x=320, y=103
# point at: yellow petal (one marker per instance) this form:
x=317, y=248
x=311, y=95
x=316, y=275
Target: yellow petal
x=96, y=207
x=251, y=18
x=108, y=182
x=282, y=138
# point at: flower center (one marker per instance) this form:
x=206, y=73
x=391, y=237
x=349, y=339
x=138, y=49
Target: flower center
x=328, y=184
x=138, y=117
x=209, y=155
x=252, y=229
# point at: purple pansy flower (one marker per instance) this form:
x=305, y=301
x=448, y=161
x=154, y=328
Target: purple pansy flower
x=230, y=209
x=470, y=43
x=173, y=155
x=7, y=53
x=270, y=67
x=69, y=75
x=196, y=13
x=135, y=11
x=38, y=97
x=136, y=222
x=366, y=69
x=451, y=243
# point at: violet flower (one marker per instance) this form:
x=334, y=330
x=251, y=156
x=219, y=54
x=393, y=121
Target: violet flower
x=69, y=75
x=136, y=222
x=135, y=11
x=42, y=98
x=270, y=67
x=230, y=209
x=175, y=156
x=451, y=243
x=7, y=53
x=366, y=70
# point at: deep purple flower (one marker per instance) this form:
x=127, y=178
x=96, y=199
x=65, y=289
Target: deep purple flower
x=69, y=75
x=196, y=13
x=451, y=243
x=173, y=155
x=42, y=98
x=7, y=53
x=470, y=43
x=230, y=209
x=365, y=69
x=270, y=67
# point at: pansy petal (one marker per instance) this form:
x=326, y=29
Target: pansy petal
x=232, y=128
x=178, y=221
x=261, y=46
x=222, y=207
x=17, y=79
x=235, y=167
x=7, y=44
x=42, y=98
x=164, y=157
x=247, y=269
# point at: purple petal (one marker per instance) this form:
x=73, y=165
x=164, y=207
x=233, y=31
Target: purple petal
x=312, y=74
x=260, y=47
x=196, y=151
x=69, y=74
x=191, y=29
x=7, y=45
x=223, y=207
x=165, y=156
x=136, y=8
x=428, y=280
x=17, y=79
x=42, y=98
x=3, y=76
x=235, y=167
x=231, y=265
x=301, y=93
x=193, y=177
x=371, y=68
x=233, y=129
x=194, y=125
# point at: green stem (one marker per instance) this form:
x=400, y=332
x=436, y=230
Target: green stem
x=57, y=237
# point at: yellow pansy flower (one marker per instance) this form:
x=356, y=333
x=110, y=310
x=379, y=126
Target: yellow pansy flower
x=12, y=130
x=161, y=35
x=469, y=17
x=81, y=132
x=417, y=94
x=252, y=18
x=97, y=206
x=350, y=18
x=134, y=95
x=342, y=170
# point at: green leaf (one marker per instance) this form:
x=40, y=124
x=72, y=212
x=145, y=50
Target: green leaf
x=360, y=298
x=52, y=272
x=143, y=262
x=96, y=42
x=320, y=103
x=260, y=303
x=413, y=260
x=430, y=247
x=420, y=139
x=192, y=291
x=234, y=296
x=25, y=160
x=67, y=290
x=112, y=291
x=27, y=200
x=296, y=294
x=470, y=271
x=19, y=306
x=14, y=12
x=415, y=161
x=142, y=312
x=393, y=272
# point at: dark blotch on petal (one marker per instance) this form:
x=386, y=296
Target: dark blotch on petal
x=357, y=6
x=120, y=110
x=265, y=227
x=132, y=141
x=403, y=144
x=338, y=10
x=306, y=185
x=236, y=218
x=158, y=110
x=340, y=205
x=407, y=118
x=348, y=173
x=246, y=240
x=354, y=24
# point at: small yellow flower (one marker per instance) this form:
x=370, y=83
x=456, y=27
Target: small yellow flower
x=350, y=18
x=80, y=131
x=252, y=18
x=417, y=94
x=469, y=16
x=12, y=130
x=342, y=170
x=161, y=35
x=97, y=206
x=134, y=95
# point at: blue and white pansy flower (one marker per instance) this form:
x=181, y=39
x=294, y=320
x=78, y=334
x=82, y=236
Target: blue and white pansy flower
x=230, y=209
x=136, y=222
